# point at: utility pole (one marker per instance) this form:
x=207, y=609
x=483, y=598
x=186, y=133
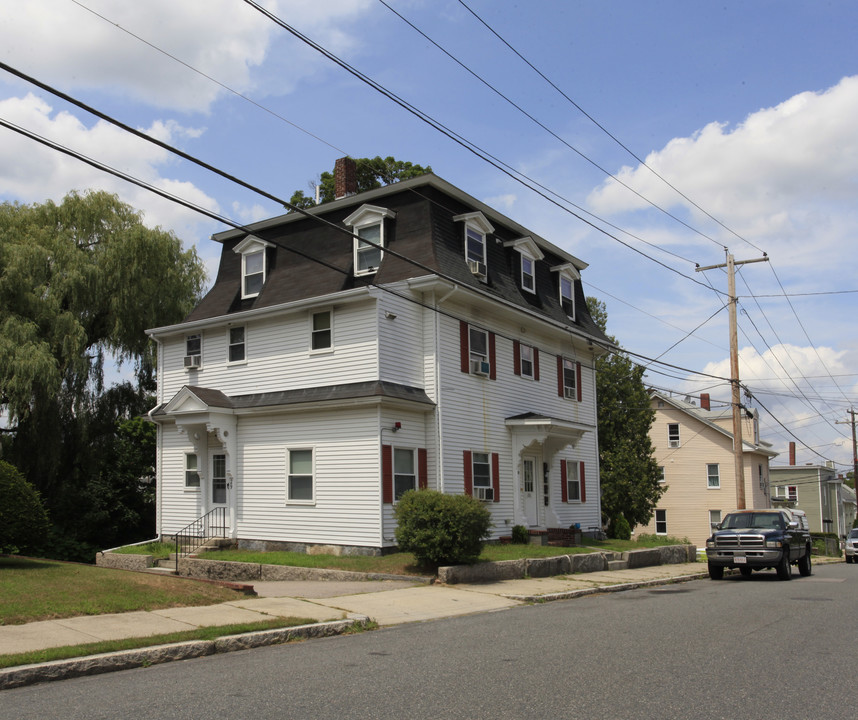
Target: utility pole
x=738, y=459
x=852, y=412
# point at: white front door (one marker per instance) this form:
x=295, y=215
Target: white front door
x=530, y=489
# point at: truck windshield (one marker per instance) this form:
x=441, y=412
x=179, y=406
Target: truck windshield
x=766, y=521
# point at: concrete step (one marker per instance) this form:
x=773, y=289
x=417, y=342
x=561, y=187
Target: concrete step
x=618, y=564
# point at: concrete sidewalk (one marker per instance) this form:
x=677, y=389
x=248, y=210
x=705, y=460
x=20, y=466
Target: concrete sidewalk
x=332, y=606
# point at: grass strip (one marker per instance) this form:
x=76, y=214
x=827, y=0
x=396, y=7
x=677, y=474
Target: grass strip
x=206, y=633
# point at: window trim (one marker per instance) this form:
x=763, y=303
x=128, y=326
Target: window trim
x=662, y=522
x=252, y=245
x=414, y=470
x=314, y=333
x=712, y=525
x=519, y=360
x=195, y=470
x=474, y=356
x=493, y=460
x=367, y=216
x=662, y=480
x=197, y=353
x=230, y=345
x=477, y=223
x=569, y=272
x=289, y=474
x=569, y=392
x=709, y=476
x=674, y=440
x=572, y=469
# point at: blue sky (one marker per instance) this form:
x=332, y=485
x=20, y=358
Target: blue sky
x=747, y=109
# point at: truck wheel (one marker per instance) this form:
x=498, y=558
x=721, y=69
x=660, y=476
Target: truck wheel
x=784, y=568
x=746, y=571
x=804, y=567
x=849, y=559
x=716, y=572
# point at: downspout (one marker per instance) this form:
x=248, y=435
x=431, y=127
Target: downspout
x=159, y=441
x=596, y=418
x=439, y=425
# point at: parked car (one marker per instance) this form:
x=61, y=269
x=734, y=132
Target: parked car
x=852, y=545
x=760, y=539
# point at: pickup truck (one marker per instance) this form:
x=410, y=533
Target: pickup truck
x=760, y=539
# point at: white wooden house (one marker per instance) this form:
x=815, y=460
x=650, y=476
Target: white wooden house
x=405, y=337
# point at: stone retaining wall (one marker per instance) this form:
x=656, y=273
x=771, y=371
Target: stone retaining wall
x=564, y=564
x=120, y=561
x=243, y=572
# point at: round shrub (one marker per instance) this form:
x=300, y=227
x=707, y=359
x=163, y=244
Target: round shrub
x=23, y=520
x=620, y=529
x=441, y=529
x=520, y=535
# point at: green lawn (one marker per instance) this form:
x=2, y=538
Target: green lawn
x=44, y=589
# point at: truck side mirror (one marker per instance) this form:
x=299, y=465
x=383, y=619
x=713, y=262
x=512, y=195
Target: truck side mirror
x=792, y=525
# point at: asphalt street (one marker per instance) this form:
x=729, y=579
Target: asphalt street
x=757, y=648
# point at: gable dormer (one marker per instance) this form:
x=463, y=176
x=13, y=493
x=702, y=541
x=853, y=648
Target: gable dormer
x=476, y=230
x=567, y=274
x=529, y=254
x=254, y=265
x=367, y=222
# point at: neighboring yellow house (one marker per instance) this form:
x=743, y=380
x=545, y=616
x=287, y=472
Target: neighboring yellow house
x=694, y=449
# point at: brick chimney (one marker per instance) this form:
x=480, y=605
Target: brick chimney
x=345, y=177
x=704, y=401
x=792, y=453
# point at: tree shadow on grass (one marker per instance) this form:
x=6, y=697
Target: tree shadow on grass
x=14, y=562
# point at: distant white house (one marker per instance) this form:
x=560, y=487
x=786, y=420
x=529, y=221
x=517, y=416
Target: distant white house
x=323, y=375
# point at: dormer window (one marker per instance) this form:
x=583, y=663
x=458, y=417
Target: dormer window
x=476, y=230
x=367, y=222
x=529, y=252
x=254, y=265
x=566, y=276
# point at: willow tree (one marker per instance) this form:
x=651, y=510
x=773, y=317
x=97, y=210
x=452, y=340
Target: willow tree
x=80, y=281
x=628, y=472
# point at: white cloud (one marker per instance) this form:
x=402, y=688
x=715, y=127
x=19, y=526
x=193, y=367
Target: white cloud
x=67, y=44
x=786, y=175
x=30, y=172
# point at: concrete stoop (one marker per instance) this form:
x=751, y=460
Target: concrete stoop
x=618, y=564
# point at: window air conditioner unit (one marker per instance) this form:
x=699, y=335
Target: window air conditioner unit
x=484, y=493
x=569, y=392
x=477, y=267
x=193, y=361
x=480, y=367
x=673, y=443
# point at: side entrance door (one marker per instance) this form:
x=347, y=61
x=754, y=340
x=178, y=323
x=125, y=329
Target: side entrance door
x=530, y=489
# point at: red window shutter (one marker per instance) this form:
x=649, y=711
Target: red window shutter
x=560, y=376
x=496, y=476
x=578, y=380
x=469, y=476
x=422, y=469
x=516, y=357
x=536, y=364
x=583, y=484
x=493, y=368
x=564, y=488
x=386, y=474
x=464, y=347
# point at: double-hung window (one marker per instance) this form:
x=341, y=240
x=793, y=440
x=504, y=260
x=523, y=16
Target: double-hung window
x=193, y=351
x=661, y=479
x=236, y=344
x=368, y=224
x=482, y=476
x=404, y=475
x=788, y=492
x=526, y=354
x=529, y=254
x=478, y=346
x=713, y=477
x=321, y=332
x=673, y=435
x=573, y=482
x=528, y=279
x=661, y=522
x=567, y=274
x=254, y=265
x=714, y=519
x=300, y=478
x=570, y=379
x=192, y=472
x=477, y=228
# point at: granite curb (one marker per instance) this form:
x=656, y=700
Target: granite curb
x=144, y=657
x=601, y=589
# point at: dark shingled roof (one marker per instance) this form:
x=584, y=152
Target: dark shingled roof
x=328, y=393
x=423, y=231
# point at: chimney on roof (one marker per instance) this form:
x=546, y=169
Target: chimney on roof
x=345, y=177
x=704, y=400
x=792, y=453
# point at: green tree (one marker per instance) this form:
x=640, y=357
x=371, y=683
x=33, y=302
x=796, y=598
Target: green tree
x=629, y=474
x=23, y=521
x=80, y=281
x=370, y=173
